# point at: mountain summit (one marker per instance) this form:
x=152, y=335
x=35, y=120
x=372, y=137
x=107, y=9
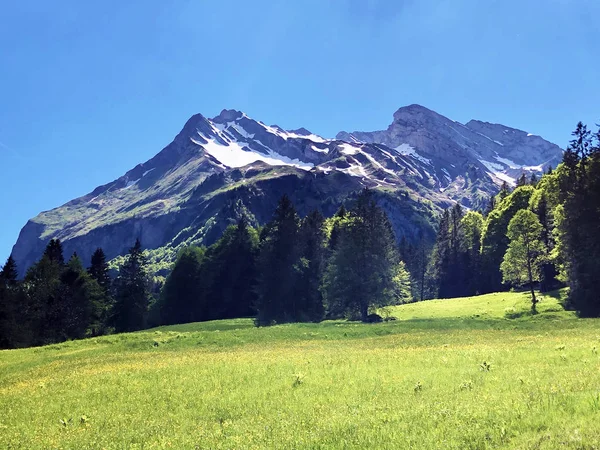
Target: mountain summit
x=216, y=170
x=503, y=152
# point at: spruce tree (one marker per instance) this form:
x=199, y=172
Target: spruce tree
x=79, y=296
x=276, y=299
x=522, y=180
x=9, y=273
x=309, y=268
x=362, y=272
x=533, y=180
x=548, y=274
x=54, y=252
x=9, y=312
x=99, y=269
x=44, y=304
x=183, y=294
x=579, y=181
x=504, y=191
x=230, y=272
x=99, y=272
x=132, y=293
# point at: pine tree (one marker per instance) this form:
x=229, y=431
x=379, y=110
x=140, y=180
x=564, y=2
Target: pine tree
x=450, y=260
x=491, y=205
x=548, y=274
x=276, y=299
x=335, y=229
x=183, y=295
x=363, y=270
x=44, y=303
x=522, y=180
x=79, y=296
x=533, y=180
x=9, y=273
x=233, y=260
x=523, y=258
x=54, y=251
x=472, y=225
x=99, y=269
x=99, y=272
x=579, y=181
x=132, y=294
x=504, y=191
x=9, y=296
x=309, y=269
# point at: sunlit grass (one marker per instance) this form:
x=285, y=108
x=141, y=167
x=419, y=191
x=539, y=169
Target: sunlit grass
x=446, y=374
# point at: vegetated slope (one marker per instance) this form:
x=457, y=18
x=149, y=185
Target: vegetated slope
x=445, y=375
x=217, y=169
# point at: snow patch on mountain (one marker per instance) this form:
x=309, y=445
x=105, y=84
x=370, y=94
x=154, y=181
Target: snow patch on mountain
x=236, y=155
x=348, y=149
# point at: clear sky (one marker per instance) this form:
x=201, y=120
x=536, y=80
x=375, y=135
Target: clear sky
x=90, y=89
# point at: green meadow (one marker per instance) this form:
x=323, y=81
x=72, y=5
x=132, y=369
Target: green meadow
x=470, y=373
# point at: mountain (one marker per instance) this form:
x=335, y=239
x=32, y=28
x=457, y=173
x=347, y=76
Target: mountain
x=217, y=169
x=503, y=152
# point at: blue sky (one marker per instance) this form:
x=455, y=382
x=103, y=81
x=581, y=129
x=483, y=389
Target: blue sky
x=90, y=89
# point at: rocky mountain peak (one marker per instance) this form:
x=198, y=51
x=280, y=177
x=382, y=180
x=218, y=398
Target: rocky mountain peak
x=415, y=111
x=228, y=115
x=301, y=132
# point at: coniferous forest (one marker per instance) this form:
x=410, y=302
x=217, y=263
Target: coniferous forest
x=541, y=235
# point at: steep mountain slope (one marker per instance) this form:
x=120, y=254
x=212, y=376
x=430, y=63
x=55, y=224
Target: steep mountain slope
x=452, y=147
x=217, y=169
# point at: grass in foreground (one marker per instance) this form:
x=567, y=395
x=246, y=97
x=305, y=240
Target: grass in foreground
x=447, y=374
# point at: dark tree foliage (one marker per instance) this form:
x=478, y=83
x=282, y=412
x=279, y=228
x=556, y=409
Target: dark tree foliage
x=230, y=273
x=214, y=283
x=490, y=206
x=54, y=251
x=57, y=301
x=99, y=269
x=533, y=180
x=416, y=256
x=10, y=315
x=504, y=191
x=363, y=271
x=309, y=268
x=132, y=292
x=44, y=302
x=580, y=195
x=548, y=281
x=279, y=253
x=99, y=272
x=522, y=180
x=80, y=299
x=335, y=230
x=183, y=294
x=452, y=259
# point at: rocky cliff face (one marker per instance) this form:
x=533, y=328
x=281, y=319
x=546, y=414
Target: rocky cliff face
x=217, y=169
x=503, y=152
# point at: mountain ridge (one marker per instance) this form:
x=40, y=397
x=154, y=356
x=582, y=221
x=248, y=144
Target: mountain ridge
x=218, y=168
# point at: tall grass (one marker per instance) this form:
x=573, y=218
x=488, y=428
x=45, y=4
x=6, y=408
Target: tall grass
x=465, y=373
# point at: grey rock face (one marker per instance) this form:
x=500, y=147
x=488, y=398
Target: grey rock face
x=501, y=151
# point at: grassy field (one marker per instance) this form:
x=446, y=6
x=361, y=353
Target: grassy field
x=464, y=373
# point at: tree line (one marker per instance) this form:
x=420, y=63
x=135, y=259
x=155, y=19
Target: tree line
x=543, y=233
x=291, y=270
